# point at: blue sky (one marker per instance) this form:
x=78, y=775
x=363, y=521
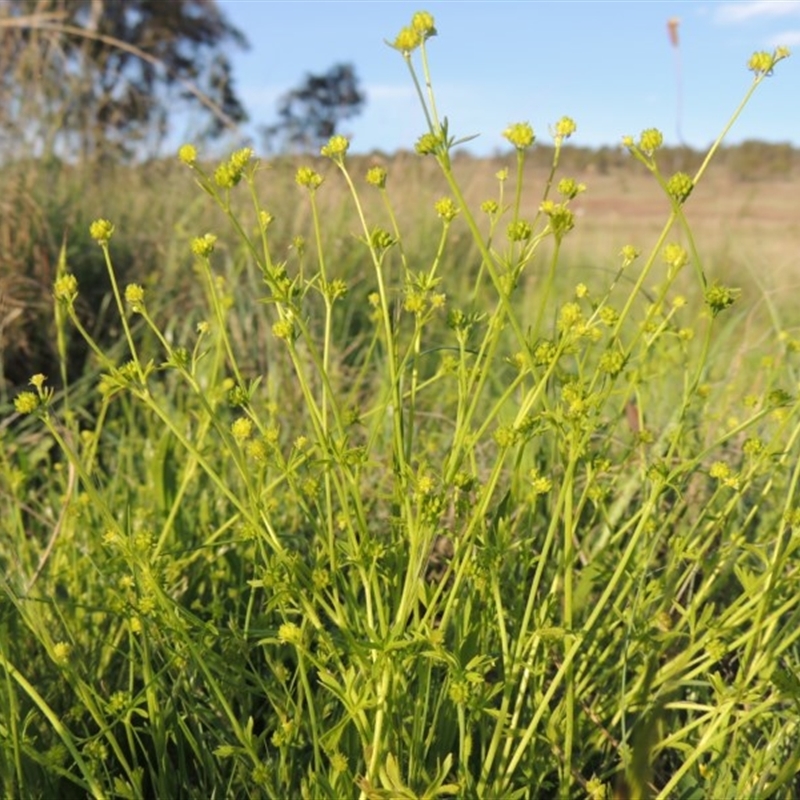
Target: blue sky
x=609, y=65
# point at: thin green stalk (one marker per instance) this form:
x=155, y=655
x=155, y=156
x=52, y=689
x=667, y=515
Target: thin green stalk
x=121, y=308
x=599, y=608
x=62, y=732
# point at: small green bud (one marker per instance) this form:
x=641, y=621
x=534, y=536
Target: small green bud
x=299, y=245
x=520, y=134
x=608, y=316
x=101, y=230
x=719, y=297
x=265, y=219
x=381, y=239
x=505, y=435
x=680, y=186
x=237, y=396
x=337, y=289
x=490, y=207
x=519, y=231
x=562, y=220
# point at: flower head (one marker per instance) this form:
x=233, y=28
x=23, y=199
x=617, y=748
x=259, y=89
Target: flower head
x=569, y=188
x=230, y=172
x=240, y=159
x=612, y=362
x=724, y=474
x=540, y=484
x=289, y=633
x=309, y=178
x=100, y=230
x=188, y=154
x=134, y=296
x=629, y=254
x=520, y=134
x=61, y=653
x=446, y=209
x=680, y=186
x=650, y=140
x=284, y=329
x=427, y=144
x=376, y=176
x=562, y=220
x=761, y=63
x=565, y=127
x=65, y=288
x=336, y=148
x=407, y=41
x=422, y=23
x=203, y=246
x=242, y=428
x=26, y=403
x=675, y=256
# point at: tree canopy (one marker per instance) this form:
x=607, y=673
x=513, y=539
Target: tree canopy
x=311, y=113
x=97, y=74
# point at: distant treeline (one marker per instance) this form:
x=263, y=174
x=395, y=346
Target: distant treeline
x=749, y=161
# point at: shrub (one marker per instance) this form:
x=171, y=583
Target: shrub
x=470, y=533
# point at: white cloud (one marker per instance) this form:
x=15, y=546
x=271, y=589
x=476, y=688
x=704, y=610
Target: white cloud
x=753, y=9
x=785, y=39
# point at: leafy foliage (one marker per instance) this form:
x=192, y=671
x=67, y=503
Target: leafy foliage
x=101, y=76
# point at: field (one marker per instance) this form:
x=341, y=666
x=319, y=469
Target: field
x=413, y=477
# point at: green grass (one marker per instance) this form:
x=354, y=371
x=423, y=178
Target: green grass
x=408, y=510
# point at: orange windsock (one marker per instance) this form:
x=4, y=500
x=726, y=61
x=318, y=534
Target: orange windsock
x=672, y=30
